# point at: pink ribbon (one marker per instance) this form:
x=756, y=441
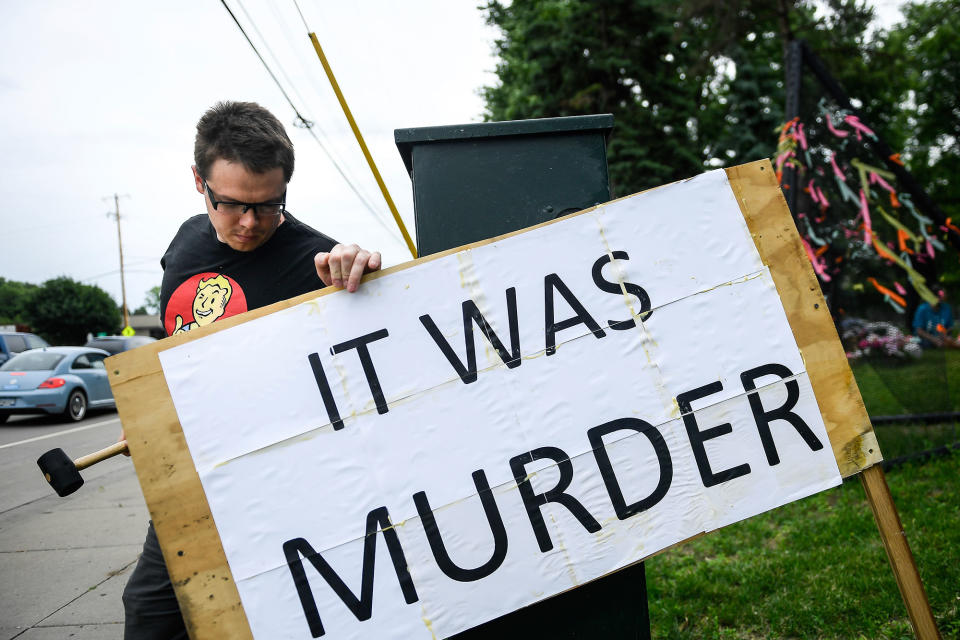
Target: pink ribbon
x=823, y=198
x=865, y=212
x=782, y=158
x=836, y=169
x=834, y=130
x=854, y=122
x=874, y=178
x=801, y=137
x=815, y=261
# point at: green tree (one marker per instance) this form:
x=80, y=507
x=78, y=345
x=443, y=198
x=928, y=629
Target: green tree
x=64, y=311
x=626, y=57
x=697, y=84
x=152, y=301
x=691, y=84
x=926, y=48
x=13, y=300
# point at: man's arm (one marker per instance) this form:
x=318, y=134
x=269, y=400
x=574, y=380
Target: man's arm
x=345, y=264
x=348, y=262
x=926, y=335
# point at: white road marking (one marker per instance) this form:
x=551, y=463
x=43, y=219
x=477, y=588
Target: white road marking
x=62, y=433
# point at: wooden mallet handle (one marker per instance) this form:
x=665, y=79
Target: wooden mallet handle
x=99, y=456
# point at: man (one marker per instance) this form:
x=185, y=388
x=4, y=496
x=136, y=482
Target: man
x=256, y=253
x=933, y=322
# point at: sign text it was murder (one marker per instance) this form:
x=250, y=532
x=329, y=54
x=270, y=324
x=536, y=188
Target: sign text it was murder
x=548, y=417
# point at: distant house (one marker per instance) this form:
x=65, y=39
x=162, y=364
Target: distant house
x=147, y=325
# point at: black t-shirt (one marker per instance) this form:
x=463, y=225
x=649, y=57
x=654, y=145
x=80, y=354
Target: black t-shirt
x=205, y=280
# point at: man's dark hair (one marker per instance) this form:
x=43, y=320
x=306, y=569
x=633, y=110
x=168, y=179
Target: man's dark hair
x=242, y=132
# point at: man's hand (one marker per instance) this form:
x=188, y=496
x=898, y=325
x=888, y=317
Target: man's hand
x=123, y=436
x=345, y=264
x=935, y=339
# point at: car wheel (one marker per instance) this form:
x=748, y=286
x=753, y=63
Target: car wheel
x=3, y=417
x=76, y=406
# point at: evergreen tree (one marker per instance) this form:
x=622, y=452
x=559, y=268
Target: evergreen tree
x=626, y=57
x=925, y=83
x=64, y=311
x=691, y=84
x=13, y=300
x=697, y=84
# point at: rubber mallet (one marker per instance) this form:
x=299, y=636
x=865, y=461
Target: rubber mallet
x=63, y=474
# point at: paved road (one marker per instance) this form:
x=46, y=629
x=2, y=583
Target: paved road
x=64, y=561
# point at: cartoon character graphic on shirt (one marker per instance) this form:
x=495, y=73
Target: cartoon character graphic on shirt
x=209, y=303
x=201, y=300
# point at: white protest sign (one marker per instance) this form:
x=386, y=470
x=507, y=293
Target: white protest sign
x=478, y=432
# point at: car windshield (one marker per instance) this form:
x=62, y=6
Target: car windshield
x=32, y=361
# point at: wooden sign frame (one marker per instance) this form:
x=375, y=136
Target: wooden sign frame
x=191, y=545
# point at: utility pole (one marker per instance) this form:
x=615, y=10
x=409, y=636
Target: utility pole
x=123, y=285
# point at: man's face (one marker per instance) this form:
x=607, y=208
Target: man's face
x=233, y=182
x=209, y=304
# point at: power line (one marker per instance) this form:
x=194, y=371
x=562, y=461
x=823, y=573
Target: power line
x=116, y=271
x=311, y=127
x=276, y=60
x=308, y=125
x=359, y=136
x=300, y=117
x=305, y=25
x=320, y=91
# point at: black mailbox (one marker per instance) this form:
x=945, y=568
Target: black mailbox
x=476, y=181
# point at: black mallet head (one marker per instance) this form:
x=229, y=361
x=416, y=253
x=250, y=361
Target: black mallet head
x=60, y=472
x=63, y=474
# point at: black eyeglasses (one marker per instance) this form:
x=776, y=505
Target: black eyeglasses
x=232, y=208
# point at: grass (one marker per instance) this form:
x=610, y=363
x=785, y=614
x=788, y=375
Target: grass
x=815, y=568
x=894, y=386
x=898, y=440
x=930, y=384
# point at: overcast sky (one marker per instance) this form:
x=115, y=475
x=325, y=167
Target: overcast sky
x=102, y=97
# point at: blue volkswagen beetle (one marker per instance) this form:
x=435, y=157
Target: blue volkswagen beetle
x=66, y=380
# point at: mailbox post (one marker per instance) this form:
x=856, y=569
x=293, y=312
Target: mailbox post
x=476, y=181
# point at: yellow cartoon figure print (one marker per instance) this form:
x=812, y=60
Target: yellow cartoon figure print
x=209, y=303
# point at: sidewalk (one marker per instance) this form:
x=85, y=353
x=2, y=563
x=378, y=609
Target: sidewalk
x=64, y=561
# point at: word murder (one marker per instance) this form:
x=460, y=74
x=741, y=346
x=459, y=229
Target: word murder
x=378, y=520
x=552, y=285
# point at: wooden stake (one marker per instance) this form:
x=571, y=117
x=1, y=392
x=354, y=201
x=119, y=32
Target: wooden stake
x=898, y=553
x=363, y=145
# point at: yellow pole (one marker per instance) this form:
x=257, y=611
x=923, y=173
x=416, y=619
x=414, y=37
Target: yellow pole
x=363, y=145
